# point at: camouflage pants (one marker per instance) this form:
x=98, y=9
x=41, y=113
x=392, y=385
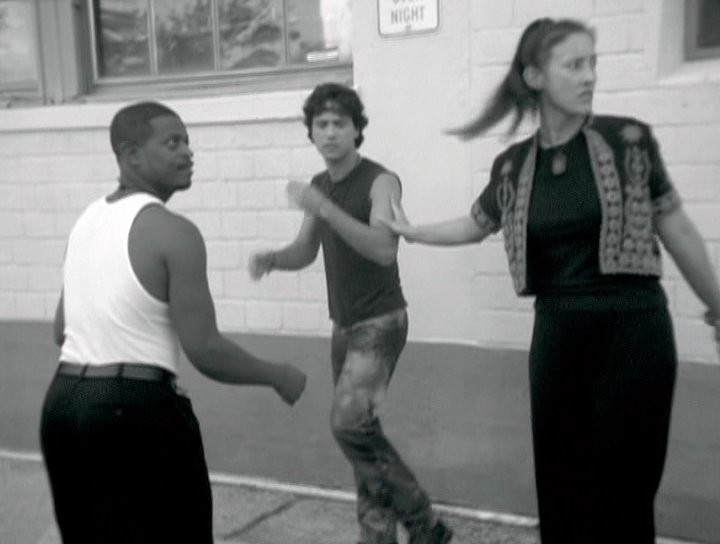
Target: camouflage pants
x=364, y=356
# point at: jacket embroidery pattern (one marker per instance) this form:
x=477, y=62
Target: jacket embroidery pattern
x=625, y=163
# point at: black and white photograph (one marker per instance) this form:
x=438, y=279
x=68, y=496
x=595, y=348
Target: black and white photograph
x=360, y=271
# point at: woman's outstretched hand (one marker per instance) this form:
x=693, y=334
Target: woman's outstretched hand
x=400, y=224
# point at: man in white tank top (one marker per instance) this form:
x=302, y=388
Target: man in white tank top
x=120, y=441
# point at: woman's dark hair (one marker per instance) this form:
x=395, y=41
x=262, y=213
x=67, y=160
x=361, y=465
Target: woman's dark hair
x=337, y=98
x=131, y=125
x=513, y=93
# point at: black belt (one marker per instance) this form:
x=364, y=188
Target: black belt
x=132, y=371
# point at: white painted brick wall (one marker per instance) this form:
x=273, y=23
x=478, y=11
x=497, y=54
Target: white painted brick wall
x=489, y=14
x=14, y=278
x=11, y=225
x=30, y=305
x=43, y=279
x=312, y=287
x=706, y=217
x=527, y=10
x=216, y=284
x=614, y=7
x=224, y=255
x=241, y=225
x=272, y=163
x=494, y=293
x=231, y=313
x=684, y=116
x=503, y=328
x=31, y=251
x=7, y=305
x=54, y=161
x=304, y=317
x=264, y=316
x=236, y=165
x=6, y=255
x=620, y=34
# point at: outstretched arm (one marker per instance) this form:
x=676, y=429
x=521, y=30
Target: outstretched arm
x=373, y=241
x=298, y=254
x=453, y=232
x=192, y=313
x=684, y=243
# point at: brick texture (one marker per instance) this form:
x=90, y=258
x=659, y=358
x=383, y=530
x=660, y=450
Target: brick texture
x=242, y=166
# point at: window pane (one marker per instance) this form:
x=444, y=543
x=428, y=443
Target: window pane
x=319, y=30
x=709, y=24
x=218, y=39
x=122, y=37
x=18, y=53
x=184, y=35
x=251, y=34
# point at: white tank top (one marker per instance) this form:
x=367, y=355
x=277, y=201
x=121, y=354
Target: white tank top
x=109, y=316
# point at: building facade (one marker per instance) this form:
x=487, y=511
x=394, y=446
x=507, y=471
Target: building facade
x=238, y=71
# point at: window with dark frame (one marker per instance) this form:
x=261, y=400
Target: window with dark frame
x=165, y=40
x=702, y=29
x=19, y=59
x=57, y=51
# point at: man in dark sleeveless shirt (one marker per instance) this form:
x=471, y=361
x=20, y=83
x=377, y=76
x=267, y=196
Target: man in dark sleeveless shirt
x=344, y=208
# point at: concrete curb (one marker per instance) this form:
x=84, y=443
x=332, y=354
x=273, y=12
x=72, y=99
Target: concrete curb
x=334, y=495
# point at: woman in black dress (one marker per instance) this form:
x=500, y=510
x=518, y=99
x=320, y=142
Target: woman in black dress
x=581, y=205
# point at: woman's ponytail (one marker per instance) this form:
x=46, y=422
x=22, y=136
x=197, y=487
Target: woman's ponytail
x=514, y=94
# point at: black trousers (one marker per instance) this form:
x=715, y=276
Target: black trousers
x=602, y=384
x=125, y=462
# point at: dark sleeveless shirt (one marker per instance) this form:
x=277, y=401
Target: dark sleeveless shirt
x=357, y=287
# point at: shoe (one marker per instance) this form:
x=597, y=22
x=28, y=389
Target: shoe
x=439, y=533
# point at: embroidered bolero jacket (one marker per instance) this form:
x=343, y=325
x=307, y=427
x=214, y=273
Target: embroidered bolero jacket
x=632, y=185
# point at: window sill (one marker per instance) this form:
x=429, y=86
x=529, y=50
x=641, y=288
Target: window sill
x=692, y=73
x=204, y=110
x=218, y=101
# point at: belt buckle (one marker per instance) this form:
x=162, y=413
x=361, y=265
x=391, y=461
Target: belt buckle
x=178, y=389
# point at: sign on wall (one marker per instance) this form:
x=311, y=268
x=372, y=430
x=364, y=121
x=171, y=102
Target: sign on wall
x=404, y=17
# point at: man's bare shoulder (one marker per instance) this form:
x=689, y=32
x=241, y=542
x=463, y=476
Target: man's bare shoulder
x=167, y=230
x=387, y=178
x=384, y=184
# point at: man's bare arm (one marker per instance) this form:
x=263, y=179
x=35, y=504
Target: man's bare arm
x=373, y=241
x=300, y=253
x=193, y=316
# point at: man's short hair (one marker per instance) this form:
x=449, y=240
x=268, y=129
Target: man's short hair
x=131, y=125
x=337, y=98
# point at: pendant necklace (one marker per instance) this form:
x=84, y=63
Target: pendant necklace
x=559, y=162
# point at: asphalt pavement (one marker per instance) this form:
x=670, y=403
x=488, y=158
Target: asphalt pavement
x=458, y=414
x=249, y=512
x=264, y=513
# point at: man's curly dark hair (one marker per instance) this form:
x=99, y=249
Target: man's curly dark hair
x=337, y=98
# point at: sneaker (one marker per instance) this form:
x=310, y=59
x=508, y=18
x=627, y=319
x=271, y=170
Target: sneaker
x=439, y=533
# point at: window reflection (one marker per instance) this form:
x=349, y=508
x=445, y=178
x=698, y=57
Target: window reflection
x=709, y=24
x=319, y=30
x=184, y=35
x=162, y=37
x=251, y=34
x=18, y=54
x=122, y=31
